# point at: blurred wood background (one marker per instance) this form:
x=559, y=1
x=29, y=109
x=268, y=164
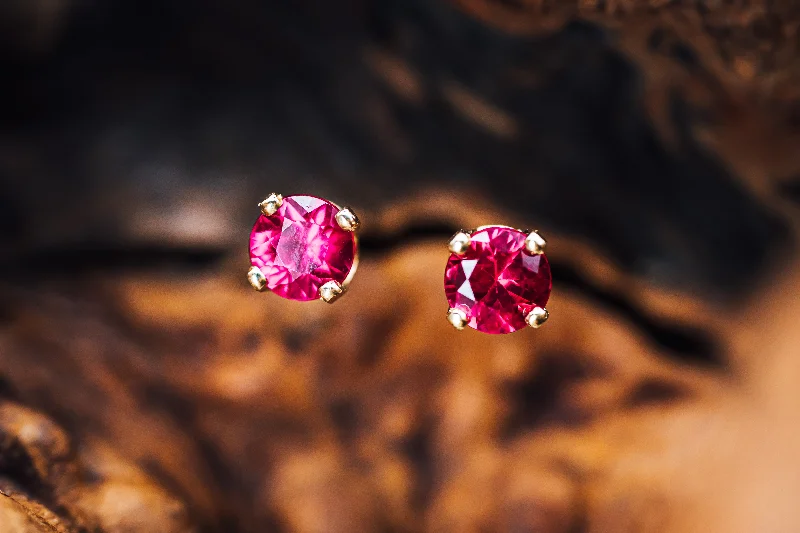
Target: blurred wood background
x=144, y=387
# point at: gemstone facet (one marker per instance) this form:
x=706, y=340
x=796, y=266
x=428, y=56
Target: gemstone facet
x=300, y=247
x=497, y=282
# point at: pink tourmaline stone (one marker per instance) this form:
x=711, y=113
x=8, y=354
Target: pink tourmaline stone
x=497, y=281
x=301, y=247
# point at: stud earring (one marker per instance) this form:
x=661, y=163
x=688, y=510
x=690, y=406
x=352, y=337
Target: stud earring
x=497, y=280
x=303, y=248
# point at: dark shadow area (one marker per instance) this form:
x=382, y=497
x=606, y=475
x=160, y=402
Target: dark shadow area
x=136, y=102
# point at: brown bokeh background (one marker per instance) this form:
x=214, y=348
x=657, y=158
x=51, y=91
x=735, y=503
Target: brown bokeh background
x=145, y=388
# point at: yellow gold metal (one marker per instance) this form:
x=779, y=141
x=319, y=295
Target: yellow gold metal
x=537, y=317
x=457, y=318
x=256, y=278
x=331, y=291
x=271, y=204
x=352, y=273
x=535, y=243
x=459, y=244
x=347, y=219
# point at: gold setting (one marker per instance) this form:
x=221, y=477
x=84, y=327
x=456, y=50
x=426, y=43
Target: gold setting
x=535, y=243
x=457, y=318
x=331, y=291
x=460, y=242
x=256, y=278
x=271, y=204
x=347, y=219
x=537, y=317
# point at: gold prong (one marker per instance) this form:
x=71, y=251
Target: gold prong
x=270, y=204
x=537, y=317
x=457, y=318
x=459, y=244
x=331, y=291
x=256, y=278
x=347, y=219
x=535, y=243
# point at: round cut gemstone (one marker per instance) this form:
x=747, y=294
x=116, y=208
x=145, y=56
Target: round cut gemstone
x=497, y=282
x=300, y=247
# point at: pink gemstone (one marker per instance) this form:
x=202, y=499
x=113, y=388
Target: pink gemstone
x=301, y=247
x=497, y=282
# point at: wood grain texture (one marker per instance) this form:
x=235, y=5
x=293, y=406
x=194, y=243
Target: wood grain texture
x=145, y=387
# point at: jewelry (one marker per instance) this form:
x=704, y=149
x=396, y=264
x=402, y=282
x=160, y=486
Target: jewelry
x=303, y=248
x=497, y=280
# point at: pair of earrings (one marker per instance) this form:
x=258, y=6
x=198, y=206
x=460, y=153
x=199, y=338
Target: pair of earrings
x=497, y=279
